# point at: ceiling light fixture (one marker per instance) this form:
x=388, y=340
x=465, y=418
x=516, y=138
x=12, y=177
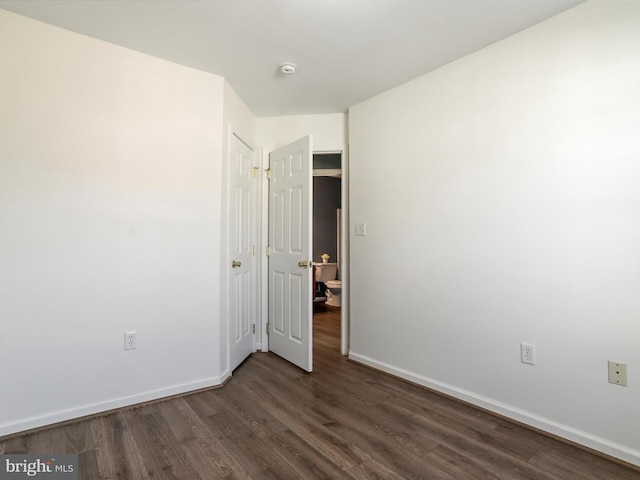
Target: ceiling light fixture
x=288, y=68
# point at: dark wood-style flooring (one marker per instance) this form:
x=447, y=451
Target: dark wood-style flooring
x=344, y=421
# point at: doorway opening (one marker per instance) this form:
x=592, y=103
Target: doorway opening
x=287, y=304
x=327, y=238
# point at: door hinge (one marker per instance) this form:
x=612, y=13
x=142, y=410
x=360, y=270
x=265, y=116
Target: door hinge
x=253, y=250
x=268, y=170
x=253, y=328
x=253, y=171
x=268, y=327
x=268, y=250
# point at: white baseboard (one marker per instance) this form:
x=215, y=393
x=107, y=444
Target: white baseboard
x=105, y=406
x=564, y=431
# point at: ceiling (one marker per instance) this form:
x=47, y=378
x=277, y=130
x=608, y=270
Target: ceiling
x=346, y=50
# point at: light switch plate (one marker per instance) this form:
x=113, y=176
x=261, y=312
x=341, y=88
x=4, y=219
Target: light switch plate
x=360, y=229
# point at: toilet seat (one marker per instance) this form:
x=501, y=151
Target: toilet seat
x=333, y=284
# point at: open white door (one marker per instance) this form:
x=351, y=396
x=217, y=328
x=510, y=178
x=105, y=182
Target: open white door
x=290, y=212
x=242, y=298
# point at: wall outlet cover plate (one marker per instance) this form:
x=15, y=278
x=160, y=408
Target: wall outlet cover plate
x=618, y=373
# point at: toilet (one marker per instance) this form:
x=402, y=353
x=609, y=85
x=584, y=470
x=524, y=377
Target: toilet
x=334, y=290
x=326, y=273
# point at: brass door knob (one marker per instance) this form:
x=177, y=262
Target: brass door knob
x=235, y=264
x=303, y=264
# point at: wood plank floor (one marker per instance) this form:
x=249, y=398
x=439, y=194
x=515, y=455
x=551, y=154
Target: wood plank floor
x=344, y=421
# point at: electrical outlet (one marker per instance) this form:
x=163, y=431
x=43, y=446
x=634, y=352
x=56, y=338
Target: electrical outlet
x=618, y=373
x=130, y=340
x=527, y=353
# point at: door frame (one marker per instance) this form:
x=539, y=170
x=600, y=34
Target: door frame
x=263, y=315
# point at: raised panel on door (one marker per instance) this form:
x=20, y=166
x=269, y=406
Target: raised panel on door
x=241, y=324
x=296, y=222
x=296, y=285
x=278, y=302
x=279, y=225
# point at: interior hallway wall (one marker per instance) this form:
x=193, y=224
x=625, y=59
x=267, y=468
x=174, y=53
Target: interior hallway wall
x=501, y=201
x=326, y=202
x=330, y=131
x=110, y=206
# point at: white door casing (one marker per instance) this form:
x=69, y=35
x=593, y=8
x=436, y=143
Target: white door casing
x=242, y=281
x=290, y=213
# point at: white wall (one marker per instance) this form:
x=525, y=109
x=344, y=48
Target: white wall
x=110, y=213
x=238, y=115
x=502, y=206
x=329, y=131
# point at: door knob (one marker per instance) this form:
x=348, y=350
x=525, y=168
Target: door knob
x=303, y=264
x=235, y=264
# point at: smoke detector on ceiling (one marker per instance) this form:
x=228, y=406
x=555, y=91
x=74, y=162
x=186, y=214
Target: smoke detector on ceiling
x=288, y=68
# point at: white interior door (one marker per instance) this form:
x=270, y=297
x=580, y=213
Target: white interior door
x=242, y=285
x=290, y=205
